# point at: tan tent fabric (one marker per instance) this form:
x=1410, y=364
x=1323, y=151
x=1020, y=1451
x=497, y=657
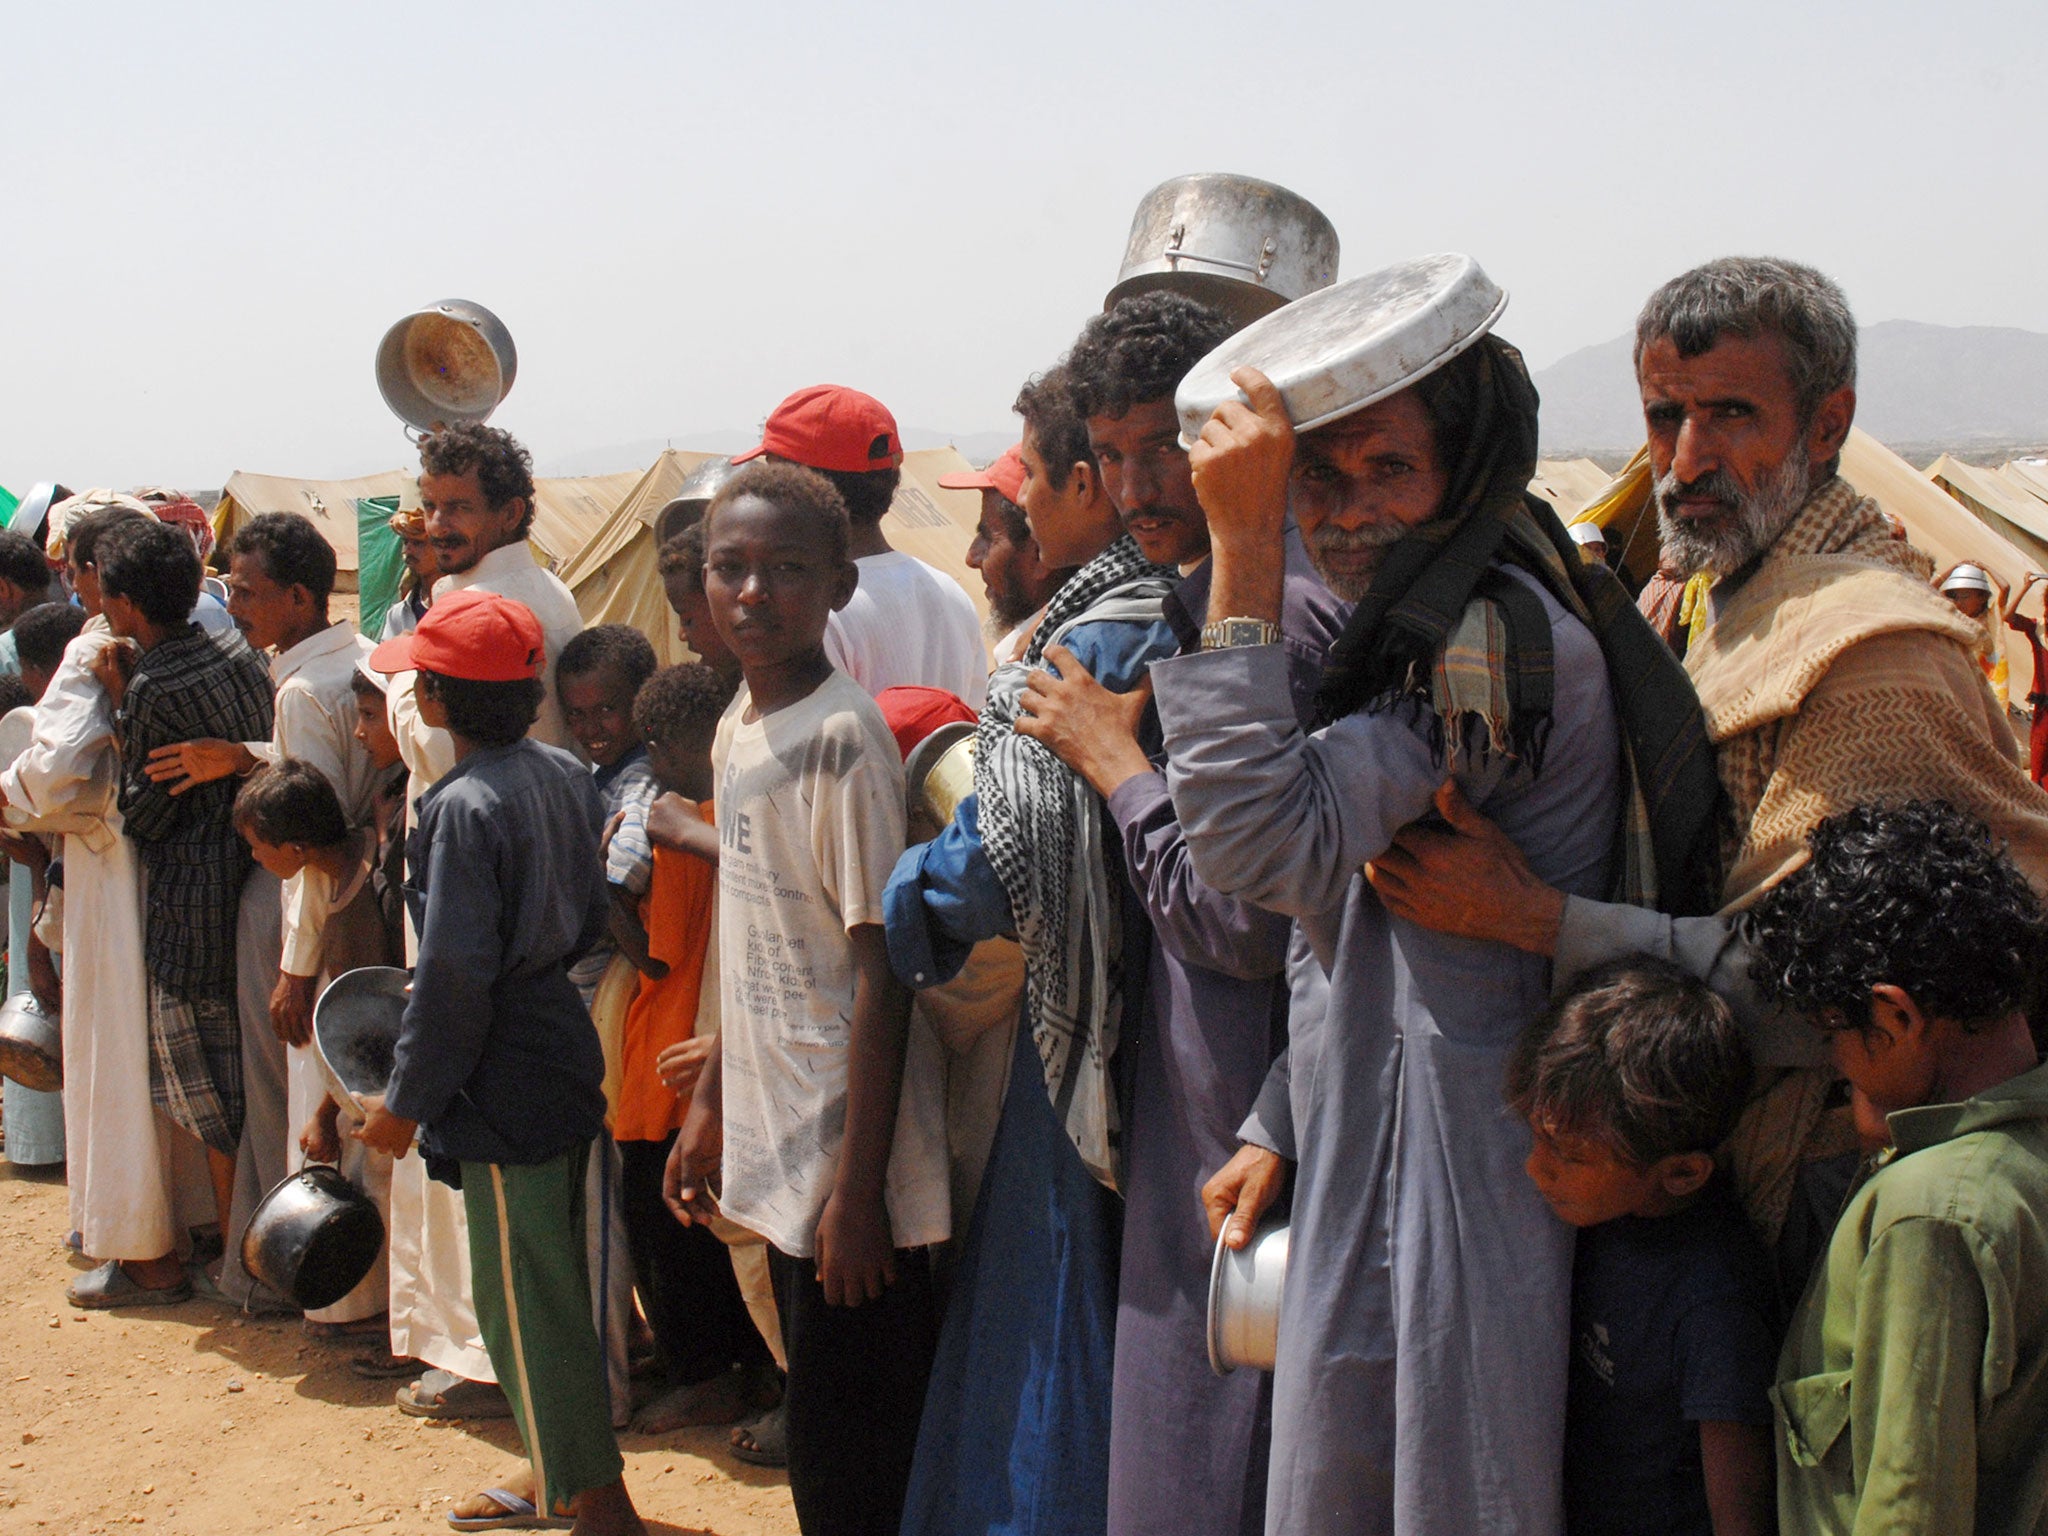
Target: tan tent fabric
x=2013, y=514
x=615, y=579
x=2031, y=477
x=1935, y=523
x=1568, y=484
x=567, y=511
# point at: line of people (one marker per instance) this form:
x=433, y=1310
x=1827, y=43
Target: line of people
x=1342, y=847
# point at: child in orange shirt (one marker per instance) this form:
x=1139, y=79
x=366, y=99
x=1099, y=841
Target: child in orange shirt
x=716, y=1366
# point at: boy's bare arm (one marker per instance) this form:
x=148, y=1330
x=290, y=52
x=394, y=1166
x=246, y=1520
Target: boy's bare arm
x=630, y=934
x=1741, y=1470
x=673, y=822
x=855, y=1252
x=694, y=1158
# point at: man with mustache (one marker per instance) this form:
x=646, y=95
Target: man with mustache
x=1832, y=675
x=1419, y=1380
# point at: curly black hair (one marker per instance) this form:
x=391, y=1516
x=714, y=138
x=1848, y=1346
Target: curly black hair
x=22, y=562
x=292, y=552
x=1919, y=896
x=1057, y=427
x=866, y=492
x=82, y=538
x=679, y=700
x=792, y=488
x=684, y=555
x=154, y=566
x=1140, y=350
x=617, y=648
x=504, y=468
x=41, y=634
x=1638, y=1056
x=291, y=801
x=14, y=694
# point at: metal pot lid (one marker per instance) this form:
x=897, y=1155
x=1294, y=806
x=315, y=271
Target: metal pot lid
x=449, y=362
x=1339, y=350
x=1235, y=243
x=355, y=1027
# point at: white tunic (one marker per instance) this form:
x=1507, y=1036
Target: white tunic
x=67, y=781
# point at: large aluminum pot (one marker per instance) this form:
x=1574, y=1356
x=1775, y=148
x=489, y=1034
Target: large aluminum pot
x=1244, y=1301
x=355, y=1030
x=448, y=363
x=34, y=510
x=31, y=1044
x=692, y=497
x=313, y=1237
x=1237, y=244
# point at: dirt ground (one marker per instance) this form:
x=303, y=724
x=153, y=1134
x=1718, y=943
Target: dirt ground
x=198, y=1421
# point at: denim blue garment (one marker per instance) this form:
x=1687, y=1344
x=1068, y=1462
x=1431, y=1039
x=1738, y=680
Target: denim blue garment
x=1015, y=1435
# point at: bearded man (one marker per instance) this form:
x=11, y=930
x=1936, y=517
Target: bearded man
x=1831, y=673
x=1420, y=1374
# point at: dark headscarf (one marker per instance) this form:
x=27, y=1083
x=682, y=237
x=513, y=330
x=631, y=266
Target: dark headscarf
x=1392, y=651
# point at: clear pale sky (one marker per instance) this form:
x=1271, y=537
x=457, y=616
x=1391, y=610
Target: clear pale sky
x=685, y=211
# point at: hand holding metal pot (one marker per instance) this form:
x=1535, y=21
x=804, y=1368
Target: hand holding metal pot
x=382, y=1131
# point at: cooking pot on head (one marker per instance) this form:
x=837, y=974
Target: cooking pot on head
x=1235, y=243
x=688, y=504
x=313, y=1237
x=448, y=363
x=31, y=1044
x=1244, y=1301
x=34, y=510
x=355, y=1030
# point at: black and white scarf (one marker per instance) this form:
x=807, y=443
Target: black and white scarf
x=1041, y=827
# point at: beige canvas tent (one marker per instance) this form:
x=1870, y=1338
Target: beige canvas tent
x=2030, y=475
x=1936, y=523
x=1568, y=484
x=2009, y=511
x=567, y=512
x=614, y=574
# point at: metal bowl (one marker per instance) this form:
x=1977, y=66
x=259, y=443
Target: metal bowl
x=447, y=363
x=692, y=497
x=1340, y=350
x=1244, y=1301
x=1235, y=243
x=313, y=1237
x=31, y=1044
x=355, y=1030
x=939, y=774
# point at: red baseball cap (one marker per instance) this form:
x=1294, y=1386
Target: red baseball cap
x=829, y=426
x=1005, y=477
x=913, y=713
x=474, y=635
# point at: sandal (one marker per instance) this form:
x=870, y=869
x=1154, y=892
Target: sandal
x=110, y=1286
x=385, y=1367
x=765, y=1442
x=515, y=1514
x=362, y=1328
x=442, y=1394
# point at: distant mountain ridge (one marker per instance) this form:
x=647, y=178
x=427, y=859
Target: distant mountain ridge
x=1952, y=385
x=977, y=447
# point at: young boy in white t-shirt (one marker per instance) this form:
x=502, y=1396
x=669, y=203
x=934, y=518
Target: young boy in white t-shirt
x=833, y=1128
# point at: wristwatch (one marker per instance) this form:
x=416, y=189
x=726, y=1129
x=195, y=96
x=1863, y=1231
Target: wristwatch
x=1227, y=633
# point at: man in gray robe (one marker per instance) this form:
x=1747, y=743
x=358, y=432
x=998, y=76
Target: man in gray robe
x=1420, y=1379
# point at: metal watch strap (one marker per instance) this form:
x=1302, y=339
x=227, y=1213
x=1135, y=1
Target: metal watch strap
x=1225, y=634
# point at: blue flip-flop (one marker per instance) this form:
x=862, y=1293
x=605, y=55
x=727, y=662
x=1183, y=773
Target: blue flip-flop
x=518, y=1515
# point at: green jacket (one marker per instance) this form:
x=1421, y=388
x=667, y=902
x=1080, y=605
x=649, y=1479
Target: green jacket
x=1912, y=1392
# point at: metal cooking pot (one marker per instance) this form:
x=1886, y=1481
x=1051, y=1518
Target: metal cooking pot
x=692, y=497
x=1244, y=1301
x=1235, y=243
x=450, y=362
x=355, y=1030
x=34, y=512
x=939, y=774
x=31, y=1044
x=313, y=1237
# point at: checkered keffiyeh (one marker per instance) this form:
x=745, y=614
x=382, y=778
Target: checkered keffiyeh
x=1041, y=827
x=191, y=686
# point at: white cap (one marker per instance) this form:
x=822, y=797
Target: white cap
x=1587, y=533
x=1967, y=578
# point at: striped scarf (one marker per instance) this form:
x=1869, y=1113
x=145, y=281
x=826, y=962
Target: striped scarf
x=1041, y=827
x=1446, y=636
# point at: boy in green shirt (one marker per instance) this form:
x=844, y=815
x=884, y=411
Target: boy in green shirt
x=1912, y=1392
